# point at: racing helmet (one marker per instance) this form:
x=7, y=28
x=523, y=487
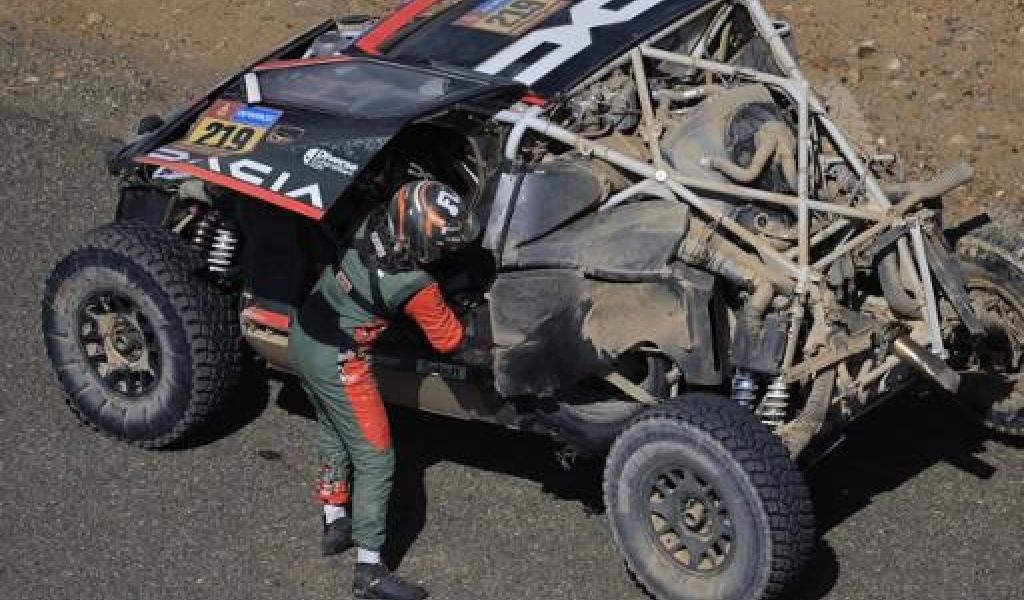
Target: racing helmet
x=428, y=218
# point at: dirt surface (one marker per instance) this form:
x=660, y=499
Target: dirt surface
x=918, y=505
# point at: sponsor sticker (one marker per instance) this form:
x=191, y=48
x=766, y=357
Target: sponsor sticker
x=562, y=42
x=319, y=159
x=257, y=116
x=510, y=17
x=223, y=109
x=232, y=127
x=170, y=175
x=285, y=134
x=246, y=170
x=445, y=370
x=343, y=281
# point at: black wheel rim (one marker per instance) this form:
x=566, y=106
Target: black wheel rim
x=690, y=521
x=119, y=343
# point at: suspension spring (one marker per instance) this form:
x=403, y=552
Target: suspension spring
x=775, y=406
x=216, y=237
x=202, y=237
x=221, y=256
x=744, y=389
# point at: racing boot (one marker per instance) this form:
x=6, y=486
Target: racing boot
x=376, y=582
x=337, y=536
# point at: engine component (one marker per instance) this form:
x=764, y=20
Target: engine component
x=578, y=185
x=737, y=131
x=773, y=140
x=605, y=107
x=759, y=347
x=890, y=267
x=927, y=364
x=759, y=343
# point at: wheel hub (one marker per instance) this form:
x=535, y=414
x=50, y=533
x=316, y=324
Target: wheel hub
x=119, y=343
x=128, y=341
x=695, y=515
x=690, y=521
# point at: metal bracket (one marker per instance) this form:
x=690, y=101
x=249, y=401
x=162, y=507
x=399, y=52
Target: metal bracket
x=951, y=280
x=631, y=389
x=925, y=274
x=885, y=240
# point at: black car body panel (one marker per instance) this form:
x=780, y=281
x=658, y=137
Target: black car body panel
x=548, y=45
x=320, y=122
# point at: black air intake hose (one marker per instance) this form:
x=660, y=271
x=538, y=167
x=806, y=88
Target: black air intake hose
x=704, y=249
x=902, y=304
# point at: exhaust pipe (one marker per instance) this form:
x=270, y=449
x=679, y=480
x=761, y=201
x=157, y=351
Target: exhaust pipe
x=926, y=363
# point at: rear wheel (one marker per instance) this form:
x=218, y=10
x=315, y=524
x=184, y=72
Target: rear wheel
x=144, y=349
x=706, y=504
x=993, y=375
x=590, y=416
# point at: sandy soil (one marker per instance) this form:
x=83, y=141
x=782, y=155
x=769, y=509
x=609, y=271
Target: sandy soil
x=936, y=78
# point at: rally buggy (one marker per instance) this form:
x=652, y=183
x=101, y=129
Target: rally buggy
x=686, y=264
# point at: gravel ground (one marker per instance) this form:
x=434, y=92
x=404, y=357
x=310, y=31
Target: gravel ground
x=918, y=504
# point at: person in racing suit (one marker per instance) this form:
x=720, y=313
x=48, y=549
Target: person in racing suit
x=377, y=276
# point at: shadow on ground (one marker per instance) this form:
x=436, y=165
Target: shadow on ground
x=882, y=451
x=891, y=446
x=246, y=405
x=422, y=440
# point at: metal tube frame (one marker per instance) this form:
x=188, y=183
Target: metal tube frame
x=795, y=266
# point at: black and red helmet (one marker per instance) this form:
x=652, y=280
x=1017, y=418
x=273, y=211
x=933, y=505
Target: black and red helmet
x=428, y=218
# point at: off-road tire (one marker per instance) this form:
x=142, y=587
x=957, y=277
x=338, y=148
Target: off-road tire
x=195, y=333
x=992, y=257
x=590, y=419
x=725, y=448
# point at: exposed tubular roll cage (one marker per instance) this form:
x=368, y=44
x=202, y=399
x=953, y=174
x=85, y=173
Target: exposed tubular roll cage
x=794, y=269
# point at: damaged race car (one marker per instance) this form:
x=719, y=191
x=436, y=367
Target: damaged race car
x=687, y=266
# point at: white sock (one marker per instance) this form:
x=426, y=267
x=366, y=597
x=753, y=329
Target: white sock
x=333, y=512
x=368, y=557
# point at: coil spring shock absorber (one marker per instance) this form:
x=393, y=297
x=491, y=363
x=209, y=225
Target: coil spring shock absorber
x=216, y=236
x=775, y=406
x=744, y=389
x=221, y=257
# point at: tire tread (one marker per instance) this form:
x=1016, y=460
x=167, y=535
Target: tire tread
x=778, y=480
x=209, y=321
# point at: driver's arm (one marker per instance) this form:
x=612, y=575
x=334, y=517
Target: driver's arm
x=442, y=328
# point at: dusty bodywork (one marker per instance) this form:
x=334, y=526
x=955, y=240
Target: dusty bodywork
x=680, y=241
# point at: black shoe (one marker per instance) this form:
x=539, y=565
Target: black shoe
x=375, y=582
x=337, y=536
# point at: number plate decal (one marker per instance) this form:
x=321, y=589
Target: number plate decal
x=510, y=17
x=232, y=127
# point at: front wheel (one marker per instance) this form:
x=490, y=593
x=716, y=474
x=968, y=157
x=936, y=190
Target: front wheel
x=144, y=349
x=706, y=504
